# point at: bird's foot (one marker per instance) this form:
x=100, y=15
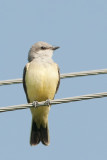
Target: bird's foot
x=48, y=102
x=35, y=103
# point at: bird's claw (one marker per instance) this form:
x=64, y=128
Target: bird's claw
x=48, y=102
x=35, y=103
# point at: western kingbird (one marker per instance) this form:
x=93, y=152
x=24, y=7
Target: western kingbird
x=41, y=78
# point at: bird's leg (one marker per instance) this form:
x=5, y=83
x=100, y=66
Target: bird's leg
x=35, y=103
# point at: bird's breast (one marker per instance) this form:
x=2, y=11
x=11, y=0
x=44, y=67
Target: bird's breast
x=41, y=81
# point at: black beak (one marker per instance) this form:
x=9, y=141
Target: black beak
x=54, y=48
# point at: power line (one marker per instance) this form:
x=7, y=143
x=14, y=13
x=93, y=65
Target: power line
x=84, y=73
x=53, y=102
x=66, y=75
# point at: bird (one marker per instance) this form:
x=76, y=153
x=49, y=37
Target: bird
x=41, y=79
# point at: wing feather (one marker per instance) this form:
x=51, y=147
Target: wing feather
x=58, y=80
x=24, y=83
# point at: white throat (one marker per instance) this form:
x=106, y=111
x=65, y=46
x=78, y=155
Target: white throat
x=41, y=54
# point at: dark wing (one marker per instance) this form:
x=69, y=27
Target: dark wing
x=58, y=80
x=24, y=83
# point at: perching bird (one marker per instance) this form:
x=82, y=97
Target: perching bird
x=41, y=78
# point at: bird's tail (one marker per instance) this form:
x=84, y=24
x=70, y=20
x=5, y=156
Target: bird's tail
x=39, y=134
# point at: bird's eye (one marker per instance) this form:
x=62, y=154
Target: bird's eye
x=43, y=48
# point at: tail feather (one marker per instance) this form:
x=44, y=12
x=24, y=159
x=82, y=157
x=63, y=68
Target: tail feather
x=39, y=134
x=44, y=135
x=35, y=134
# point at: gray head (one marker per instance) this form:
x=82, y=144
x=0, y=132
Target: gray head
x=42, y=50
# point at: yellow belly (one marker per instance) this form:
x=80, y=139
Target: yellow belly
x=41, y=82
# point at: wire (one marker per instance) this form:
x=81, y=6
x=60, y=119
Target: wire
x=11, y=81
x=53, y=102
x=67, y=75
x=84, y=73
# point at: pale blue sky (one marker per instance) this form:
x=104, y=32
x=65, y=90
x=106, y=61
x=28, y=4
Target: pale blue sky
x=78, y=130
